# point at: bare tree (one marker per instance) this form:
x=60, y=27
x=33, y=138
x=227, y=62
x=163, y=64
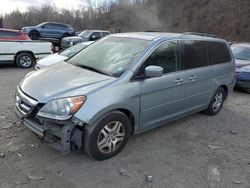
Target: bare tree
x=226, y=18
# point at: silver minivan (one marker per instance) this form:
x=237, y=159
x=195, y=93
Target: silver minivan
x=125, y=84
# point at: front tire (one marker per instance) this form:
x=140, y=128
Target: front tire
x=107, y=136
x=216, y=102
x=34, y=35
x=25, y=60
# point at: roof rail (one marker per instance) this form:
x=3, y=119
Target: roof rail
x=200, y=34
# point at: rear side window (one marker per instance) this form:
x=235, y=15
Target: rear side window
x=105, y=34
x=195, y=54
x=60, y=27
x=167, y=56
x=97, y=34
x=219, y=52
x=8, y=34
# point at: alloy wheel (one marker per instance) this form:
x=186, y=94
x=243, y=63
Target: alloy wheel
x=218, y=100
x=111, y=137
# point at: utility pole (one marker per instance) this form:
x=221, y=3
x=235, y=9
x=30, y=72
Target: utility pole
x=1, y=22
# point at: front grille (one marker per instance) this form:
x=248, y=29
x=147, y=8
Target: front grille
x=24, y=103
x=65, y=44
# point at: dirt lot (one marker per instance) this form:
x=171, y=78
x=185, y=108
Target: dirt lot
x=197, y=151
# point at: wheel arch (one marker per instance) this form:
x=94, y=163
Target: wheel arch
x=24, y=51
x=94, y=116
x=34, y=30
x=225, y=89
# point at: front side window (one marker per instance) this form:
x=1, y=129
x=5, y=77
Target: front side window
x=194, y=54
x=167, y=56
x=48, y=26
x=110, y=55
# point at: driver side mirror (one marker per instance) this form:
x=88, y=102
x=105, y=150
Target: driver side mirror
x=43, y=27
x=153, y=71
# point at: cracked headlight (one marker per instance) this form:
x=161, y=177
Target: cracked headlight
x=62, y=109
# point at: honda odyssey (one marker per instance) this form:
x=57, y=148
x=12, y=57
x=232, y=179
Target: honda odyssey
x=125, y=84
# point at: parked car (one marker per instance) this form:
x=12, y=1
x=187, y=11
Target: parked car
x=10, y=34
x=241, y=53
x=61, y=56
x=49, y=30
x=23, y=53
x=87, y=35
x=125, y=84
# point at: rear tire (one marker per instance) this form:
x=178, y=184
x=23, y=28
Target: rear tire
x=248, y=91
x=216, y=102
x=107, y=136
x=25, y=60
x=34, y=35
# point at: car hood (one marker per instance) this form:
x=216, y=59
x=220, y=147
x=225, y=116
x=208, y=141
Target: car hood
x=50, y=60
x=29, y=27
x=241, y=63
x=75, y=38
x=62, y=80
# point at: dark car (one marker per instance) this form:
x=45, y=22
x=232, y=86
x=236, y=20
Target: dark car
x=10, y=34
x=241, y=53
x=87, y=35
x=49, y=30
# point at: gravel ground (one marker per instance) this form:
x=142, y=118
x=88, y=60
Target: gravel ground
x=196, y=151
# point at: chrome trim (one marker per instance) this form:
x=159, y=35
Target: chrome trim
x=25, y=98
x=24, y=104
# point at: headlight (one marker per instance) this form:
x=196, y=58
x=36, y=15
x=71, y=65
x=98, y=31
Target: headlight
x=62, y=109
x=71, y=43
x=244, y=69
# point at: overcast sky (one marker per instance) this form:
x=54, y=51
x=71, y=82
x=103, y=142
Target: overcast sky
x=7, y=6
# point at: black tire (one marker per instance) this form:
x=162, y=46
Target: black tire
x=212, y=108
x=34, y=35
x=65, y=35
x=248, y=91
x=93, y=133
x=25, y=60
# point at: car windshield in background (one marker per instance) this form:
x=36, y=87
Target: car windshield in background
x=241, y=52
x=73, y=50
x=39, y=25
x=85, y=34
x=111, y=55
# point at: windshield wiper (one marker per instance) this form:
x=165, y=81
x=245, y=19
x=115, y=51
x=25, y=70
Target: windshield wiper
x=92, y=69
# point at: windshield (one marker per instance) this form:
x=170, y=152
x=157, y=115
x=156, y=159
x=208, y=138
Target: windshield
x=73, y=50
x=111, y=55
x=241, y=52
x=41, y=24
x=85, y=34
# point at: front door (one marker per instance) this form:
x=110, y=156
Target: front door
x=162, y=97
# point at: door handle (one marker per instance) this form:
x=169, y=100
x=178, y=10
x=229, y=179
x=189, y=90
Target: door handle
x=179, y=81
x=192, y=78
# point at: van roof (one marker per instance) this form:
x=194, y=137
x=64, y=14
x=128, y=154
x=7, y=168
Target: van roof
x=160, y=35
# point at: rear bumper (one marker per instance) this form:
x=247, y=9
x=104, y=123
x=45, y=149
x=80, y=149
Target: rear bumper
x=58, y=136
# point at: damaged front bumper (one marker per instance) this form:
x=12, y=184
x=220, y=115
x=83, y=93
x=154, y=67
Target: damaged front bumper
x=60, y=135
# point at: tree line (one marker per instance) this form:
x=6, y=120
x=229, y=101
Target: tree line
x=229, y=19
